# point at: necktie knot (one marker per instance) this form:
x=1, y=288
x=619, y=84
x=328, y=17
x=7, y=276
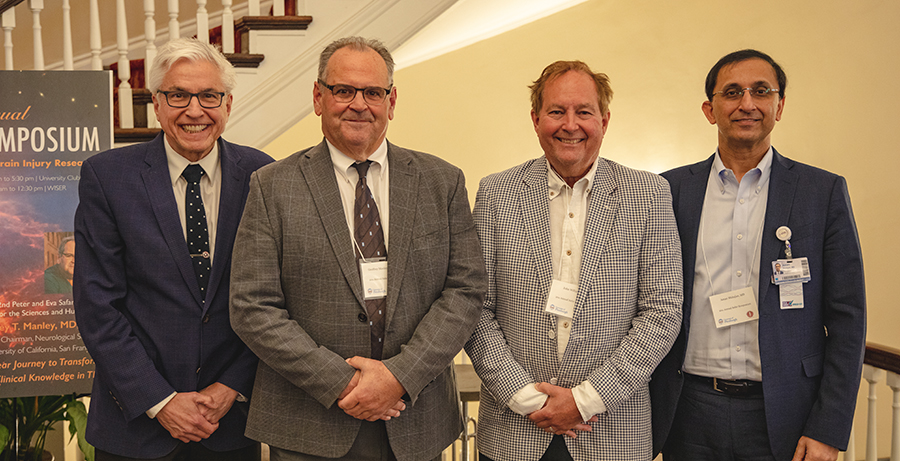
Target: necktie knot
x=193, y=173
x=362, y=168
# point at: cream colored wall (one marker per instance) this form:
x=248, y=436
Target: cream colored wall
x=471, y=106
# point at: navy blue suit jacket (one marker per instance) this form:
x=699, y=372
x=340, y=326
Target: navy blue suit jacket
x=811, y=357
x=137, y=301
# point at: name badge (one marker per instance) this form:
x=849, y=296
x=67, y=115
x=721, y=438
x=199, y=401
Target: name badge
x=791, y=295
x=790, y=271
x=734, y=307
x=561, y=300
x=373, y=274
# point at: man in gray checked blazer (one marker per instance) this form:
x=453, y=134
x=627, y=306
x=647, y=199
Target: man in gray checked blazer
x=346, y=372
x=584, y=288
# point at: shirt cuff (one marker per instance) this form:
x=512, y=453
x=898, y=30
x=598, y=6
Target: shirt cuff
x=159, y=406
x=527, y=400
x=241, y=398
x=588, y=400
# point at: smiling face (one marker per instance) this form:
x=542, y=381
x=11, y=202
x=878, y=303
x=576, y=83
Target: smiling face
x=192, y=130
x=570, y=125
x=356, y=128
x=745, y=124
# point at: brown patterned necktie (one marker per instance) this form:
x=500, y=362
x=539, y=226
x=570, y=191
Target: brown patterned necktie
x=370, y=240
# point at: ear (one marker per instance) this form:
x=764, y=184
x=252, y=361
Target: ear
x=780, y=108
x=392, y=102
x=708, y=112
x=155, y=98
x=535, y=119
x=228, y=101
x=317, y=98
x=604, y=124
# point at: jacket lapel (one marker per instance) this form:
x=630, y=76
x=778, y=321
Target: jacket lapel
x=404, y=182
x=603, y=207
x=158, y=184
x=534, y=208
x=688, y=201
x=782, y=188
x=234, y=180
x=318, y=171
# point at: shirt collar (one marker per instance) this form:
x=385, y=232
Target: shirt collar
x=177, y=163
x=342, y=163
x=556, y=186
x=763, y=168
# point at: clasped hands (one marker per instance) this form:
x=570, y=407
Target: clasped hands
x=559, y=415
x=373, y=392
x=194, y=416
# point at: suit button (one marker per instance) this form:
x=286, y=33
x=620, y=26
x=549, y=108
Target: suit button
x=362, y=317
x=553, y=381
x=206, y=318
x=551, y=334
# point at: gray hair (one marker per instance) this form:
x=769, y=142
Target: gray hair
x=356, y=44
x=62, y=244
x=193, y=50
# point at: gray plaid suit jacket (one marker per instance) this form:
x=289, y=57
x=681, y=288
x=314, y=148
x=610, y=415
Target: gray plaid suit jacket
x=297, y=301
x=627, y=310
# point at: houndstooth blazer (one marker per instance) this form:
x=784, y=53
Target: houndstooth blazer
x=627, y=310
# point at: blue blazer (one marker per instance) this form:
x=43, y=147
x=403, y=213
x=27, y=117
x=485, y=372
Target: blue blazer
x=811, y=357
x=137, y=301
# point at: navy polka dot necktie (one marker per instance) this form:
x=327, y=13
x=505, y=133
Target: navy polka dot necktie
x=370, y=238
x=197, y=231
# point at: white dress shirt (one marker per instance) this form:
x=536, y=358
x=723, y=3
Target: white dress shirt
x=728, y=252
x=210, y=190
x=377, y=179
x=568, y=214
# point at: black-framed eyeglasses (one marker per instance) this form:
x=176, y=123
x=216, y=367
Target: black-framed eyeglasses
x=759, y=92
x=373, y=95
x=182, y=99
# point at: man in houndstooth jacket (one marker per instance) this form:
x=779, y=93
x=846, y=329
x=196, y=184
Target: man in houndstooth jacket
x=585, y=288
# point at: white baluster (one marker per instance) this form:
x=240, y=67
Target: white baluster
x=253, y=8
x=149, y=55
x=8, y=23
x=873, y=376
x=850, y=454
x=68, y=62
x=126, y=114
x=202, y=22
x=893, y=380
x=96, y=44
x=38, y=44
x=278, y=8
x=173, y=20
x=227, y=27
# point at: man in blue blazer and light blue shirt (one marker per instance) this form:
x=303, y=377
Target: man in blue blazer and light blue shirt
x=777, y=378
x=172, y=379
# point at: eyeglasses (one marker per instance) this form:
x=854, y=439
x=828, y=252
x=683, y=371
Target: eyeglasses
x=373, y=95
x=759, y=92
x=182, y=99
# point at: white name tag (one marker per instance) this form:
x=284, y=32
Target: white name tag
x=373, y=274
x=561, y=300
x=734, y=307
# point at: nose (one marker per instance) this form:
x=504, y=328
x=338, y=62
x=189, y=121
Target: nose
x=747, y=102
x=358, y=103
x=194, y=109
x=570, y=122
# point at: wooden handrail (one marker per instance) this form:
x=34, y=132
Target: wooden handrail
x=883, y=357
x=7, y=4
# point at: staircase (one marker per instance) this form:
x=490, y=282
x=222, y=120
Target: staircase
x=275, y=54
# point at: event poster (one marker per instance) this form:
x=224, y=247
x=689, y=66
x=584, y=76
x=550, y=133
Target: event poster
x=50, y=122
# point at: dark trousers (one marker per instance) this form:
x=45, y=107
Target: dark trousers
x=192, y=452
x=371, y=444
x=557, y=451
x=711, y=426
